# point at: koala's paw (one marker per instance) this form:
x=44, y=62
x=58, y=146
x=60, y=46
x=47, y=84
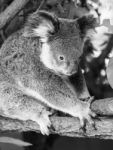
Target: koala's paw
x=44, y=123
x=85, y=114
x=87, y=117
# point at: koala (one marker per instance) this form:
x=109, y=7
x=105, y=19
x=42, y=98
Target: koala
x=35, y=63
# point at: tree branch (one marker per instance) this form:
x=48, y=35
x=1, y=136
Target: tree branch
x=69, y=126
x=10, y=12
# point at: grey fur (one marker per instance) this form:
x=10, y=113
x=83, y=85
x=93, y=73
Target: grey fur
x=23, y=77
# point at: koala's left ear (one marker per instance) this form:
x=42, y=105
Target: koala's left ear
x=41, y=24
x=86, y=24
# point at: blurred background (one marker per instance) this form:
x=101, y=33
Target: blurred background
x=97, y=52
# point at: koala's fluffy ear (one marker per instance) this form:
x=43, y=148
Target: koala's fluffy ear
x=41, y=24
x=87, y=24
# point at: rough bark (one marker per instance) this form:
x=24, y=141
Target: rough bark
x=69, y=126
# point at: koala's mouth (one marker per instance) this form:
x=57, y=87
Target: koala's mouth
x=64, y=74
x=71, y=73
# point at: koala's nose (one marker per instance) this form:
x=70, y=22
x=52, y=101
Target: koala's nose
x=72, y=68
x=75, y=68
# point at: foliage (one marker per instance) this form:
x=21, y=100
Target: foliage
x=97, y=49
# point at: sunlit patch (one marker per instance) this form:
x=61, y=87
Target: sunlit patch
x=96, y=53
x=111, y=54
x=83, y=71
x=106, y=10
x=102, y=72
x=99, y=40
x=107, y=59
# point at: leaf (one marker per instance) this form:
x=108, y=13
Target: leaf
x=15, y=141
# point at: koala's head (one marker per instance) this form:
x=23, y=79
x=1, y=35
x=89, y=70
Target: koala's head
x=61, y=39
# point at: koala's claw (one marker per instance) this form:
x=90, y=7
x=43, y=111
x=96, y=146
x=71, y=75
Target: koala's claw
x=89, y=99
x=88, y=119
x=85, y=114
x=44, y=122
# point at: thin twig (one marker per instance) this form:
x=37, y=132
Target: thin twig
x=41, y=4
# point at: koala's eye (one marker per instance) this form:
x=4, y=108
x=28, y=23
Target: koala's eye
x=61, y=58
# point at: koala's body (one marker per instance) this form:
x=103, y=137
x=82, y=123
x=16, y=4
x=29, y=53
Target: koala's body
x=35, y=63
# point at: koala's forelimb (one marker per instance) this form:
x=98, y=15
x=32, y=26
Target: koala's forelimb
x=14, y=104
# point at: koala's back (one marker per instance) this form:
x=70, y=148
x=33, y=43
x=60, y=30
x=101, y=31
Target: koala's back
x=19, y=56
x=20, y=62
x=14, y=57
x=17, y=43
